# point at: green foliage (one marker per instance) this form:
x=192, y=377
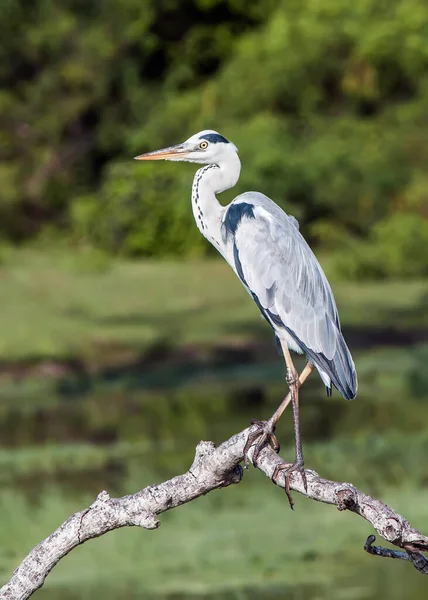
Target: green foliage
x=137, y=212
x=326, y=101
x=402, y=240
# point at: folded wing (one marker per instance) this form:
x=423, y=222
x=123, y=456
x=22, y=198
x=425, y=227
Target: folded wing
x=282, y=274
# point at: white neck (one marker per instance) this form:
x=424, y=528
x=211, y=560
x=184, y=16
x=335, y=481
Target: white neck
x=209, y=181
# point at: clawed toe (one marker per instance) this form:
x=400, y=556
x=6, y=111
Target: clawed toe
x=288, y=470
x=261, y=436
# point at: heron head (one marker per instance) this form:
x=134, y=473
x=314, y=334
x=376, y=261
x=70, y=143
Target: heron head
x=206, y=147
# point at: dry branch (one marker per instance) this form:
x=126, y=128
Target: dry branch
x=212, y=468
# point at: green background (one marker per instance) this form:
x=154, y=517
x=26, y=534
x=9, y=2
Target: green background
x=125, y=339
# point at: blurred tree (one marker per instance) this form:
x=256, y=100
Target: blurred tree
x=326, y=100
x=76, y=78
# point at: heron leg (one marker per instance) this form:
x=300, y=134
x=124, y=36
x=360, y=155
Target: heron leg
x=264, y=433
x=293, y=382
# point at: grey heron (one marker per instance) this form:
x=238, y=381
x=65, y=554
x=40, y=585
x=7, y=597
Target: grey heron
x=265, y=248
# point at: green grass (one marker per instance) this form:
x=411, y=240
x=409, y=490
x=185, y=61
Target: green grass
x=60, y=305
x=242, y=542
x=237, y=539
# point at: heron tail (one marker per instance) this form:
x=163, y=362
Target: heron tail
x=341, y=370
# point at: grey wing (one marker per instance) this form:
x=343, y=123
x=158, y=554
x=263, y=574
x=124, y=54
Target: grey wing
x=285, y=279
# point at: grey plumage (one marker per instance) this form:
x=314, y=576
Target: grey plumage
x=280, y=271
x=265, y=248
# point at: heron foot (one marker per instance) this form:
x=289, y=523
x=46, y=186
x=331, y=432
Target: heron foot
x=261, y=436
x=288, y=469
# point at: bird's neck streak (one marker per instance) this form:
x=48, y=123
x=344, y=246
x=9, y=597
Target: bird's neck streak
x=209, y=181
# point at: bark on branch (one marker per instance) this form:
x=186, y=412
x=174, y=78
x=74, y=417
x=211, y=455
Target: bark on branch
x=212, y=468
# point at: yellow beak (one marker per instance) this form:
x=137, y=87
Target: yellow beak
x=164, y=153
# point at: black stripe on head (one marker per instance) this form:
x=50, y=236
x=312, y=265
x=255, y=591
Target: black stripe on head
x=214, y=138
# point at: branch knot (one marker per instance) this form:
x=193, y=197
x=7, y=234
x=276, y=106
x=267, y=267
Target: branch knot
x=347, y=499
x=102, y=498
x=392, y=531
x=145, y=519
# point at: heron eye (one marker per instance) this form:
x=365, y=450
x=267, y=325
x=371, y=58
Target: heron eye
x=203, y=145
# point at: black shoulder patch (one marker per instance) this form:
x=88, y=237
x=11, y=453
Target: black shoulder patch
x=214, y=138
x=234, y=216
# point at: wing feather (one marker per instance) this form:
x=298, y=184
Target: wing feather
x=284, y=277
